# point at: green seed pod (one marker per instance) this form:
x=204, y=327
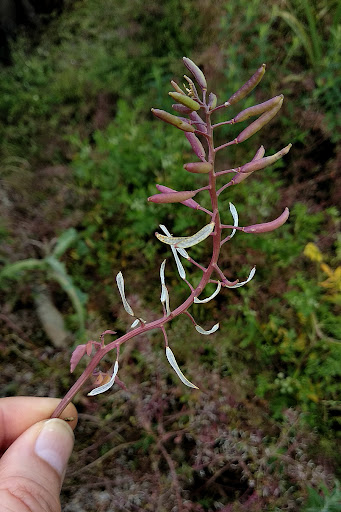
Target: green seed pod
x=198, y=167
x=257, y=109
x=247, y=87
x=175, y=121
x=212, y=101
x=259, y=123
x=177, y=88
x=196, y=72
x=172, y=197
x=185, y=100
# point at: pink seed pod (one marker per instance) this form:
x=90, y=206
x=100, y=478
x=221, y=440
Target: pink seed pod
x=259, y=123
x=181, y=108
x=188, y=202
x=185, y=100
x=247, y=87
x=257, y=109
x=175, y=121
x=258, y=164
x=172, y=197
x=196, y=72
x=196, y=145
x=238, y=178
x=198, y=122
x=198, y=167
x=177, y=88
x=268, y=226
x=259, y=153
x=212, y=101
x=261, y=163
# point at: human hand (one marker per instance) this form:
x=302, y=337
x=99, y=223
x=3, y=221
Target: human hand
x=34, y=453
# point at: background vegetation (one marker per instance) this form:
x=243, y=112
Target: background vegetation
x=79, y=155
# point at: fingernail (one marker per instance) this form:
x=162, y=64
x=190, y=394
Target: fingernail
x=54, y=444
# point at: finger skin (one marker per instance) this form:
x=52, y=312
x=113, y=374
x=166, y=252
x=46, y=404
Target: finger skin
x=33, y=467
x=17, y=414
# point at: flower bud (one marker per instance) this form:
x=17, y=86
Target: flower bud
x=199, y=123
x=261, y=163
x=188, y=202
x=181, y=108
x=247, y=87
x=257, y=109
x=268, y=226
x=259, y=123
x=212, y=101
x=172, y=197
x=196, y=72
x=196, y=145
x=185, y=100
x=259, y=153
x=198, y=167
x=177, y=88
x=258, y=164
x=175, y=121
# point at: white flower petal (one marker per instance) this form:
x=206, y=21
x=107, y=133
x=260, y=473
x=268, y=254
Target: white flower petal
x=183, y=242
x=120, y=285
x=107, y=385
x=198, y=301
x=174, y=365
x=234, y=212
x=135, y=323
x=162, y=272
x=165, y=298
x=180, y=268
x=183, y=253
x=211, y=331
x=238, y=285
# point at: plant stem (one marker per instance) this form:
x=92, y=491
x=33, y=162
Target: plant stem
x=159, y=324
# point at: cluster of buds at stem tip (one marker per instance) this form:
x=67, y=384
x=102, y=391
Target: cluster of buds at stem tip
x=198, y=130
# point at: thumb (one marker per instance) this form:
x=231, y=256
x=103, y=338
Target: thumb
x=32, y=469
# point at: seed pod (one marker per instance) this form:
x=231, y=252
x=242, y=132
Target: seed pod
x=247, y=87
x=177, y=88
x=196, y=145
x=259, y=153
x=188, y=202
x=198, y=167
x=172, y=197
x=257, y=109
x=196, y=72
x=238, y=178
x=175, y=121
x=199, y=123
x=260, y=163
x=212, y=101
x=259, y=123
x=181, y=108
x=268, y=226
x=185, y=100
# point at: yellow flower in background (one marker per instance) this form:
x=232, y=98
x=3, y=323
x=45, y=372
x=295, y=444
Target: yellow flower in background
x=313, y=252
x=333, y=283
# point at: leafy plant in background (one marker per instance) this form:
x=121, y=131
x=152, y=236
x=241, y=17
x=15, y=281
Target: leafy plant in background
x=199, y=133
x=51, y=266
